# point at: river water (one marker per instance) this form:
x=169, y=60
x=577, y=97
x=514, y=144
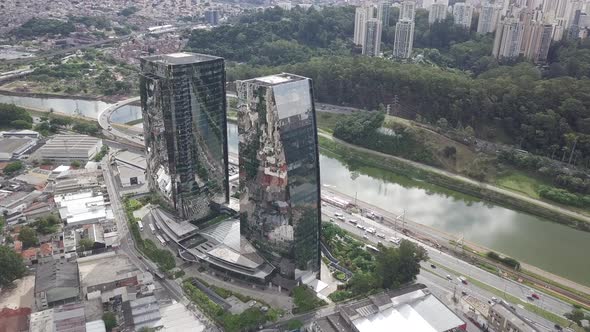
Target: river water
x=547, y=245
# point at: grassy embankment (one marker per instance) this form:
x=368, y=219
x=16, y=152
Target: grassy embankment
x=466, y=163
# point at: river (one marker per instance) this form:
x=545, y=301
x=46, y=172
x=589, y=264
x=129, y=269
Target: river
x=550, y=246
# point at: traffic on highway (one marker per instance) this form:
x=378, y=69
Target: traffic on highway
x=445, y=274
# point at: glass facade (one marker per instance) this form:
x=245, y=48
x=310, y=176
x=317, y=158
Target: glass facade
x=183, y=105
x=279, y=171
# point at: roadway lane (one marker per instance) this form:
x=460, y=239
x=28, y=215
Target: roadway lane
x=520, y=291
x=128, y=248
x=104, y=118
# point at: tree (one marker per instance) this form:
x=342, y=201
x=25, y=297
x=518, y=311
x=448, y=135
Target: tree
x=47, y=225
x=362, y=283
x=20, y=124
x=86, y=244
x=12, y=266
x=449, y=151
x=110, y=320
x=28, y=236
x=13, y=167
x=398, y=266
x=75, y=164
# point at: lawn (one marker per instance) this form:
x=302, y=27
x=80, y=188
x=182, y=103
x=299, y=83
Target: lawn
x=520, y=182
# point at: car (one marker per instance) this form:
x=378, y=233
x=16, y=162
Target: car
x=464, y=293
x=558, y=327
x=352, y=221
x=341, y=218
x=365, y=236
x=463, y=280
x=433, y=266
x=449, y=277
x=494, y=299
x=381, y=235
x=530, y=298
x=512, y=308
x=331, y=219
x=535, y=296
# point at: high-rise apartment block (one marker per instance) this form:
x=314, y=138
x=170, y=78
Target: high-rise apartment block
x=372, y=45
x=360, y=25
x=183, y=105
x=507, y=41
x=407, y=10
x=437, y=13
x=368, y=29
x=462, y=13
x=383, y=10
x=404, y=39
x=488, y=18
x=279, y=172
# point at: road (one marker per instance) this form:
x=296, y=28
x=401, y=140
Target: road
x=104, y=121
x=438, y=278
x=128, y=248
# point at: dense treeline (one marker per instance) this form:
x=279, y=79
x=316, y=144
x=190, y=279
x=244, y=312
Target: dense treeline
x=36, y=27
x=276, y=36
x=564, y=197
x=364, y=129
x=12, y=116
x=542, y=110
x=515, y=101
x=550, y=169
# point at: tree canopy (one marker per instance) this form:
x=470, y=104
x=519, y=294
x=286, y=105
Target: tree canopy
x=28, y=236
x=12, y=266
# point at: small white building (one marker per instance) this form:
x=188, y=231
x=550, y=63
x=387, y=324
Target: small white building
x=83, y=208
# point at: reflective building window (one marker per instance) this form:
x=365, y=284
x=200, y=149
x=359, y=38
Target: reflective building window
x=279, y=171
x=183, y=105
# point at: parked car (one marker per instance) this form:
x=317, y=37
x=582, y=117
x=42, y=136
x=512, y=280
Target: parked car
x=433, y=266
x=449, y=277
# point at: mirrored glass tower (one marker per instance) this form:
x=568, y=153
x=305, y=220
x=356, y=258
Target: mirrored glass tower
x=279, y=172
x=183, y=105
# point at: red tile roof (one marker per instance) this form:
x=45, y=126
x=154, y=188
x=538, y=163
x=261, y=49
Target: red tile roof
x=30, y=253
x=46, y=249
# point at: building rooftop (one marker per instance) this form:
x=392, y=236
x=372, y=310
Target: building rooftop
x=12, y=144
x=103, y=268
x=411, y=309
x=277, y=79
x=182, y=58
x=513, y=317
x=66, y=318
x=131, y=159
x=56, y=273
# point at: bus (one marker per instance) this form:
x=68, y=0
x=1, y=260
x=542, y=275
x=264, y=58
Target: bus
x=140, y=225
x=152, y=228
x=162, y=241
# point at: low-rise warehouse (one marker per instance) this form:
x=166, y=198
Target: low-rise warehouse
x=70, y=147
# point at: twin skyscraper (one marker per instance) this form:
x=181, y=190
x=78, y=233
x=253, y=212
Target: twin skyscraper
x=183, y=99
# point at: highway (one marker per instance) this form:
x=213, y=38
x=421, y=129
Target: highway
x=438, y=276
x=104, y=121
